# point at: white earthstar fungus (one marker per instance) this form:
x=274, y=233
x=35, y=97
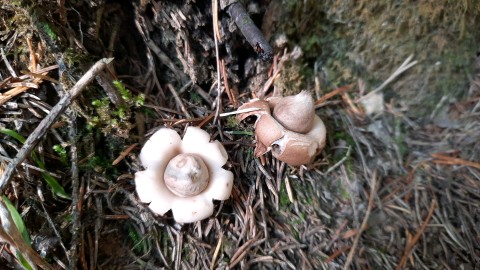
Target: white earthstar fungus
x=183, y=175
x=287, y=126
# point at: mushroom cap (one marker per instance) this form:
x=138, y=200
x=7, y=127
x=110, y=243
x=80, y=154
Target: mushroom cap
x=298, y=149
x=288, y=126
x=163, y=146
x=186, y=175
x=267, y=130
x=318, y=133
x=295, y=113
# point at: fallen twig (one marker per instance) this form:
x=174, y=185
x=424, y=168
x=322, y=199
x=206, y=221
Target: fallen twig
x=239, y=111
x=340, y=162
x=19, y=88
x=250, y=31
x=448, y=160
x=124, y=154
x=331, y=94
x=261, y=94
x=179, y=101
x=217, y=57
x=32, y=167
x=231, y=95
x=373, y=188
x=404, y=67
x=410, y=245
x=241, y=252
x=42, y=128
x=7, y=64
x=216, y=252
x=76, y=194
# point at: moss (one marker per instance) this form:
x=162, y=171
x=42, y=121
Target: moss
x=139, y=244
x=127, y=96
x=400, y=138
x=231, y=122
x=291, y=80
x=295, y=223
x=343, y=192
x=304, y=192
x=350, y=39
x=73, y=58
x=283, y=200
x=62, y=153
x=194, y=97
x=116, y=120
x=49, y=31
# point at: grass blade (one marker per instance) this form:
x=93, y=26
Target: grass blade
x=52, y=182
x=17, y=219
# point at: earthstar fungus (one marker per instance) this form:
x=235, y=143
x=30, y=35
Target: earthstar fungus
x=287, y=126
x=183, y=175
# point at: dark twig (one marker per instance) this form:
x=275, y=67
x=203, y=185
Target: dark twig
x=105, y=81
x=42, y=128
x=32, y=167
x=250, y=31
x=76, y=221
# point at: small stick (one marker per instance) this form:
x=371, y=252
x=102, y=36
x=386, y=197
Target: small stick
x=9, y=67
x=331, y=94
x=124, y=154
x=231, y=96
x=250, y=31
x=289, y=190
x=216, y=28
x=364, y=225
x=17, y=90
x=22, y=84
x=239, y=111
x=178, y=100
x=76, y=194
x=416, y=237
x=33, y=167
x=340, y=162
x=217, y=57
x=33, y=58
x=164, y=59
x=42, y=128
x=208, y=118
x=404, y=67
x=217, y=250
x=444, y=159
x=37, y=75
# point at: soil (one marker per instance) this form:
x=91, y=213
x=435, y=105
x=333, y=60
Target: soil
x=396, y=83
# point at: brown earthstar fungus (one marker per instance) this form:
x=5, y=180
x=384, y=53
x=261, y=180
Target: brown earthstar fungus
x=183, y=175
x=287, y=126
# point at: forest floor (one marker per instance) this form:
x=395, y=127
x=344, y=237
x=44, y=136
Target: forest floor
x=397, y=84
